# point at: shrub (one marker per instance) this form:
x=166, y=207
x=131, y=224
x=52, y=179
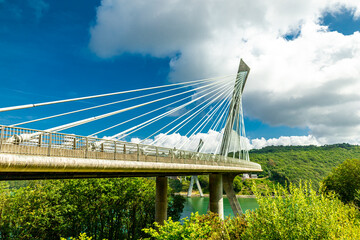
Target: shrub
x=82, y=236
x=208, y=226
x=292, y=213
x=299, y=213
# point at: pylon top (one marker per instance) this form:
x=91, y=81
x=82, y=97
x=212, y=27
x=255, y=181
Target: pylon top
x=243, y=68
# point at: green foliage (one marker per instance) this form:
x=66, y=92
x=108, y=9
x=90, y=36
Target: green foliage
x=284, y=164
x=82, y=236
x=238, y=184
x=185, y=183
x=175, y=185
x=33, y=213
x=344, y=180
x=357, y=198
x=204, y=183
x=299, y=213
x=244, y=187
x=290, y=213
x=103, y=208
x=175, y=206
x=208, y=226
x=263, y=184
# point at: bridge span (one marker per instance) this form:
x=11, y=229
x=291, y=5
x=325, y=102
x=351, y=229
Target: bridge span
x=56, y=155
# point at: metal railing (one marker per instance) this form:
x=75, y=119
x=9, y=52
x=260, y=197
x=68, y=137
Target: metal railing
x=17, y=140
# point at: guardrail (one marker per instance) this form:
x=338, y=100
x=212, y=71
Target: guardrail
x=17, y=140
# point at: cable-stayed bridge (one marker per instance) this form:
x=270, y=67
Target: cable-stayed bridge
x=195, y=127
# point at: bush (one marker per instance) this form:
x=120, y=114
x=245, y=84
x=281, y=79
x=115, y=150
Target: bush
x=292, y=213
x=299, y=213
x=208, y=226
x=82, y=236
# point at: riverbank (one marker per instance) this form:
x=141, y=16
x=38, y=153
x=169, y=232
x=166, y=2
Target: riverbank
x=196, y=194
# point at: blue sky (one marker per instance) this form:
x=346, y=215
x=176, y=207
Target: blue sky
x=52, y=50
x=46, y=58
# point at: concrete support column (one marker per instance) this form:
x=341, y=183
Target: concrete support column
x=196, y=179
x=198, y=186
x=216, y=194
x=161, y=200
x=228, y=180
x=190, y=187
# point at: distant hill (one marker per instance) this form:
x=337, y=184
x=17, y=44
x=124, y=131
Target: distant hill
x=293, y=163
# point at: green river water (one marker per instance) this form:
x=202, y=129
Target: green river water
x=200, y=205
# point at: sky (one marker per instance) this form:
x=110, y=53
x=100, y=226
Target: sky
x=303, y=88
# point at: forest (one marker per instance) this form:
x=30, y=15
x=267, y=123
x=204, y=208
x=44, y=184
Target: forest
x=294, y=163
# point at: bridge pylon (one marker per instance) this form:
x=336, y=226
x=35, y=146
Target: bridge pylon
x=234, y=127
x=235, y=115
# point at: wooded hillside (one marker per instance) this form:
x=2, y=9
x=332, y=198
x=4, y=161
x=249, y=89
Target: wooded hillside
x=294, y=163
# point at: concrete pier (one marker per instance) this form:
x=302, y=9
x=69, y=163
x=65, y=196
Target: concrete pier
x=196, y=179
x=228, y=185
x=216, y=194
x=161, y=200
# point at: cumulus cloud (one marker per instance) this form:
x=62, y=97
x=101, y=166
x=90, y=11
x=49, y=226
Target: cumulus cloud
x=285, y=141
x=213, y=138
x=311, y=81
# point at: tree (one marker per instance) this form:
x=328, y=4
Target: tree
x=102, y=208
x=344, y=180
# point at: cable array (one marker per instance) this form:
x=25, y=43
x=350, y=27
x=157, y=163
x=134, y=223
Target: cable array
x=194, y=110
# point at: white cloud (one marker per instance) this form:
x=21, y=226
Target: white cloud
x=312, y=81
x=213, y=138
x=285, y=141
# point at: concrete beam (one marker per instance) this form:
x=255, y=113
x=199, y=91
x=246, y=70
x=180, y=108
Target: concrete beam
x=161, y=200
x=28, y=163
x=216, y=194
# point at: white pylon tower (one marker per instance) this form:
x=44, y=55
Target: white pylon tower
x=234, y=137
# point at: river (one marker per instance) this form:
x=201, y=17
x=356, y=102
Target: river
x=200, y=205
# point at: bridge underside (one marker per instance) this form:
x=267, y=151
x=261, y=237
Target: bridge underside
x=5, y=176
x=26, y=167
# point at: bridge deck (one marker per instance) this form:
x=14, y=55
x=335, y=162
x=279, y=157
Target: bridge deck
x=31, y=154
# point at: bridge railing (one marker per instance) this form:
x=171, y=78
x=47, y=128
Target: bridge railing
x=25, y=141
